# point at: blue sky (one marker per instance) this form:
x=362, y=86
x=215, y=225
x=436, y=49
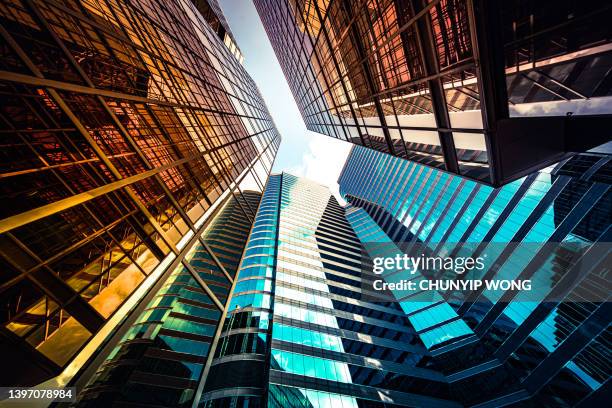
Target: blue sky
x=302, y=152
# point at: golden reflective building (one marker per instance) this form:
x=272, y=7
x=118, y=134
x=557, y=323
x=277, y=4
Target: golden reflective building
x=123, y=125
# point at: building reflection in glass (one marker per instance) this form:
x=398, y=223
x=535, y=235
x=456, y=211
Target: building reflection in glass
x=449, y=83
x=162, y=355
x=522, y=350
x=123, y=123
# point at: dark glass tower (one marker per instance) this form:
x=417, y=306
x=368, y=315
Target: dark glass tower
x=476, y=87
x=504, y=348
x=124, y=125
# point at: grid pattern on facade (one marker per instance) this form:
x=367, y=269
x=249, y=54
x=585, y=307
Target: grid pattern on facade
x=298, y=332
x=122, y=123
x=415, y=78
x=162, y=356
x=523, y=349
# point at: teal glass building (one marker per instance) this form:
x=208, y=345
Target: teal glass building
x=297, y=333
x=503, y=349
x=292, y=325
x=164, y=351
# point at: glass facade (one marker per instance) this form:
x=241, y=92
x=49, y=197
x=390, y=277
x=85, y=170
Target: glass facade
x=460, y=85
x=297, y=333
x=124, y=125
x=501, y=349
x=161, y=357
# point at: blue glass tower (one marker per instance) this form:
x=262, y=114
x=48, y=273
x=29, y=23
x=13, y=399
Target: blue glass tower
x=297, y=333
x=294, y=325
x=502, y=349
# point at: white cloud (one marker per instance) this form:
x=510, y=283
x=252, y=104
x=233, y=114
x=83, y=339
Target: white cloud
x=323, y=162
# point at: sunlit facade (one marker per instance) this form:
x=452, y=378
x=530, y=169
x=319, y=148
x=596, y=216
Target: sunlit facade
x=503, y=348
x=124, y=126
x=162, y=356
x=478, y=88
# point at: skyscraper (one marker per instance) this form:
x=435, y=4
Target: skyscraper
x=491, y=90
x=298, y=327
x=553, y=226
x=296, y=333
x=162, y=354
x=125, y=125
x=299, y=332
